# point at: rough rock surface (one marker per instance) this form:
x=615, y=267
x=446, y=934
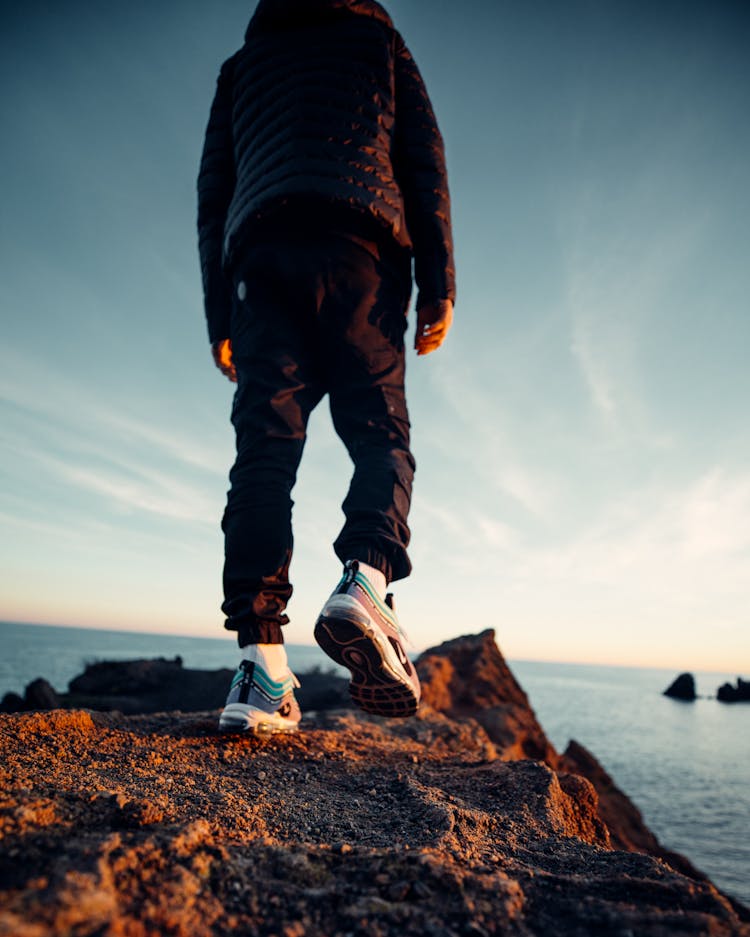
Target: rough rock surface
x=469, y=677
x=682, y=687
x=623, y=819
x=154, y=824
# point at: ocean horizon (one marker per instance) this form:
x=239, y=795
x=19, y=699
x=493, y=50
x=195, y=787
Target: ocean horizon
x=685, y=765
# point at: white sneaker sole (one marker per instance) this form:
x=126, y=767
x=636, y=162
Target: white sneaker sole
x=238, y=717
x=349, y=636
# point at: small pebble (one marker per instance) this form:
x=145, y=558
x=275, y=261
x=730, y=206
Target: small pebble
x=398, y=891
x=421, y=890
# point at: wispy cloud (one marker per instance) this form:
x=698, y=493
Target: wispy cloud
x=683, y=545
x=155, y=493
x=128, y=464
x=126, y=484
x=483, y=440
x=81, y=413
x=593, y=364
x=625, y=252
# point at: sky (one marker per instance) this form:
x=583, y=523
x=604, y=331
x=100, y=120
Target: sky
x=583, y=479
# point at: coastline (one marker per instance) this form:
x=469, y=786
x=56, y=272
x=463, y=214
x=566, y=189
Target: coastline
x=456, y=799
x=684, y=765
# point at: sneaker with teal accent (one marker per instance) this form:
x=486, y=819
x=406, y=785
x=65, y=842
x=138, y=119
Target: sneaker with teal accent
x=258, y=704
x=361, y=632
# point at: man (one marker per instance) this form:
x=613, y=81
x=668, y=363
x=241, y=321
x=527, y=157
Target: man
x=322, y=176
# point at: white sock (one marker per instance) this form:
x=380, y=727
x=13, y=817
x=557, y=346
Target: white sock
x=377, y=579
x=271, y=657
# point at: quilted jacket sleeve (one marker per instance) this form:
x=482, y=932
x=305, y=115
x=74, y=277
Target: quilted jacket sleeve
x=419, y=164
x=216, y=181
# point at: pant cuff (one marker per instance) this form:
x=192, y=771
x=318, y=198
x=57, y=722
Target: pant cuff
x=260, y=632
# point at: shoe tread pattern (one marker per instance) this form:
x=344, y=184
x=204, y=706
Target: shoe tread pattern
x=372, y=688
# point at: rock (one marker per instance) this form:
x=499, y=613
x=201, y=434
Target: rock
x=682, y=688
x=730, y=694
x=475, y=830
x=468, y=676
x=320, y=691
x=126, y=677
x=627, y=828
x=39, y=694
x=147, y=686
x=139, y=824
x=159, y=685
x=12, y=703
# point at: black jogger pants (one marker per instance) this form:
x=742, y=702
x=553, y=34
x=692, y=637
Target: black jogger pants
x=314, y=316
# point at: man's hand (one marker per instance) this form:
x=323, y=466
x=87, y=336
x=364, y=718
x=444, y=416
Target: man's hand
x=433, y=322
x=222, y=352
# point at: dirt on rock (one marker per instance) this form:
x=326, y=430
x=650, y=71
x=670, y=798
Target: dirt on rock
x=155, y=824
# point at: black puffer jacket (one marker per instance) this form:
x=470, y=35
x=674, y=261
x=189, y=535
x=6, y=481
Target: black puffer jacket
x=323, y=107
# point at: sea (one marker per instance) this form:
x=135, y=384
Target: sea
x=685, y=765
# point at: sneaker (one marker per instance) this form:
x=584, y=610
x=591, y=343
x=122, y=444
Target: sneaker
x=258, y=704
x=361, y=632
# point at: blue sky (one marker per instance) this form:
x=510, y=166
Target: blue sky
x=583, y=481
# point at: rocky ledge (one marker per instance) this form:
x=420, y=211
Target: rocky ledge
x=461, y=821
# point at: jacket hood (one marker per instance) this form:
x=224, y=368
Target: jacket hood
x=280, y=14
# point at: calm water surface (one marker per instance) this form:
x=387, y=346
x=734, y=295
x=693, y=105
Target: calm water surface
x=685, y=765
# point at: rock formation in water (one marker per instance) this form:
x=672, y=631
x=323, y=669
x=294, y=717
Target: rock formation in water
x=437, y=825
x=734, y=694
x=682, y=687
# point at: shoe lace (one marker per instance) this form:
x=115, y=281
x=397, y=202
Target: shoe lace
x=389, y=601
x=350, y=574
